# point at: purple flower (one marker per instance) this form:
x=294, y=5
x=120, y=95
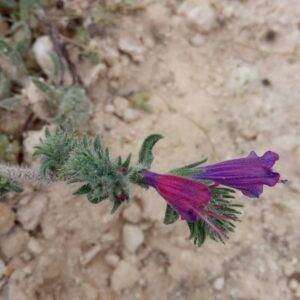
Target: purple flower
x=188, y=197
x=247, y=174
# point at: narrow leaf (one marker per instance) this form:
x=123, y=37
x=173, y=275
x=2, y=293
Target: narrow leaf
x=83, y=190
x=10, y=103
x=115, y=207
x=171, y=215
x=126, y=163
x=146, y=155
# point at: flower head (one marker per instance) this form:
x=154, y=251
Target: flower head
x=188, y=197
x=247, y=174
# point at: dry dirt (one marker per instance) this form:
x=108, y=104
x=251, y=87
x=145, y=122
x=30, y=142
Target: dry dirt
x=221, y=83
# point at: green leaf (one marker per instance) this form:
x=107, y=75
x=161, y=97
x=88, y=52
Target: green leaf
x=7, y=185
x=185, y=172
x=126, y=163
x=12, y=55
x=26, y=9
x=197, y=232
x=96, y=199
x=146, y=155
x=85, y=189
x=171, y=215
x=45, y=88
x=195, y=164
x=141, y=102
x=73, y=107
x=97, y=143
x=9, y=4
x=23, y=44
x=92, y=57
x=56, y=66
x=10, y=103
x=188, y=170
x=5, y=85
x=115, y=207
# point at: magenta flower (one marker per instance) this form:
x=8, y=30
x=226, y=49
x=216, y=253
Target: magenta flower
x=247, y=174
x=188, y=197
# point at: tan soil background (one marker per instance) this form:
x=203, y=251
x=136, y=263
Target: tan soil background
x=223, y=79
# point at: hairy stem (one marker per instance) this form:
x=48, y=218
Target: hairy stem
x=25, y=174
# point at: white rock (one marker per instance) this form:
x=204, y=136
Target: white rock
x=34, y=246
x=133, y=213
x=30, y=215
x=201, y=16
x=133, y=237
x=133, y=48
x=41, y=49
x=14, y=242
x=124, y=276
x=7, y=218
x=219, y=283
x=110, y=55
x=241, y=76
x=112, y=260
x=130, y=115
x=120, y=104
x=2, y=268
x=293, y=284
x=197, y=40
x=96, y=72
x=109, y=108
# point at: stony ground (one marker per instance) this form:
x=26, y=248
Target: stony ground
x=223, y=79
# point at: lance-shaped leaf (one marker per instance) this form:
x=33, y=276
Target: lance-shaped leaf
x=171, y=215
x=7, y=185
x=188, y=170
x=146, y=155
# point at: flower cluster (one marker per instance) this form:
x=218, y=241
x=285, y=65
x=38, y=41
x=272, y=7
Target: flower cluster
x=196, y=196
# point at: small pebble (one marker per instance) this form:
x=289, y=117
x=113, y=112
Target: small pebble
x=219, y=283
x=133, y=237
x=124, y=276
x=112, y=260
x=7, y=218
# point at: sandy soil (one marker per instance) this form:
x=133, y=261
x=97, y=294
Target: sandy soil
x=220, y=85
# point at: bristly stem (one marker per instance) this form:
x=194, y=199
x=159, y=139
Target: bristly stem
x=26, y=174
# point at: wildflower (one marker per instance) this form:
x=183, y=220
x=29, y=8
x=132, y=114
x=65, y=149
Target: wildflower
x=188, y=197
x=247, y=174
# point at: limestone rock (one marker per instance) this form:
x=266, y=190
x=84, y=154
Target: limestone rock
x=34, y=246
x=133, y=237
x=133, y=48
x=201, y=16
x=219, y=283
x=96, y=72
x=14, y=242
x=112, y=259
x=42, y=49
x=124, y=276
x=7, y=218
x=30, y=215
